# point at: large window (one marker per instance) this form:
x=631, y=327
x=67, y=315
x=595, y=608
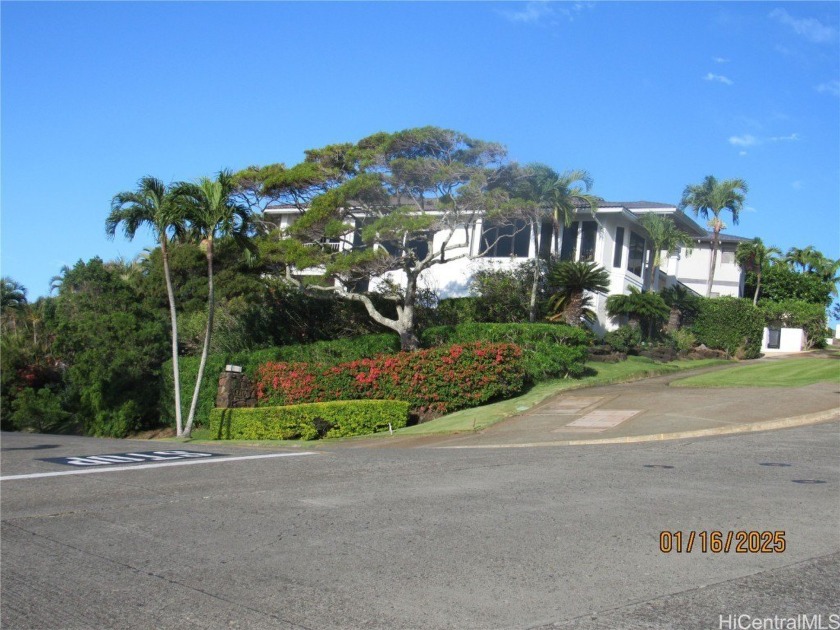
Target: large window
x=588, y=234
x=619, y=247
x=503, y=240
x=568, y=245
x=636, y=259
x=546, y=239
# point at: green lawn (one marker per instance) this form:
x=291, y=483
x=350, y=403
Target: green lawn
x=634, y=368
x=778, y=373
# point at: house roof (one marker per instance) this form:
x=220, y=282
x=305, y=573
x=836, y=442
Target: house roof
x=725, y=238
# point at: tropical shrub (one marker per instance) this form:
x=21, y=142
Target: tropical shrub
x=308, y=421
x=730, y=324
x=548, y=350
x=327, y=352
x=453, y=311
x=626, y=339
x=113, y=346
x=797, y=314
x=647, y=309
x=683, y=339
x=683, y=303
x=434, y=381
x=502, y=294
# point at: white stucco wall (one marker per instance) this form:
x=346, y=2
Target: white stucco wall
x=694, y=270
x=790, y=340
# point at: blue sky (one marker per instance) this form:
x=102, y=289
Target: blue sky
x=648, y=97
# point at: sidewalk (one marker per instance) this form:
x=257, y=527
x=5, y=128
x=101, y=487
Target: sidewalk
x=646, y=410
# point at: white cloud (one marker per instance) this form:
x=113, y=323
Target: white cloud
x=719, y=78
x=829, y=87
x=750, y=209
x=797, y=185
x=545, y=11
x=811, y=29
x=742, y=153
x=791, y=138
x=531, y=13
x=720, y=59
x=749, y=140
x=745, y=140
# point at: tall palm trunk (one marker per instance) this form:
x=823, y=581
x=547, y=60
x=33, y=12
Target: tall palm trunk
x=173, y=317
x=206, y=349
x=535, y=283
x=757, y=288
x=713, y=261
x=653, y=267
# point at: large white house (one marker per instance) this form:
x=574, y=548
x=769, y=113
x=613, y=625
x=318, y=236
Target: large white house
x=613, y=237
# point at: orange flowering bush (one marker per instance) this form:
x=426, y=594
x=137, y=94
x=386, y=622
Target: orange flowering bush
x=435, y=381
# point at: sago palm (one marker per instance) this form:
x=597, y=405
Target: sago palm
x=154, y=206
x=709, y=200
x=754, y=256
x=641, y=307
x=572, y=280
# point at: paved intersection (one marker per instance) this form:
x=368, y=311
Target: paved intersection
x=420, y=538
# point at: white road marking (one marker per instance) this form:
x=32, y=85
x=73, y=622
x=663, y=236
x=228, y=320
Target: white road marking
x=182, y=462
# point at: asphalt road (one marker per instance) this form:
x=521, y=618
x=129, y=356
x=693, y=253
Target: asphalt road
x=545, y=537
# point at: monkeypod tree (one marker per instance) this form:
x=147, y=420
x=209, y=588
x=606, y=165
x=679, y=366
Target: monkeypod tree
x=391, y=205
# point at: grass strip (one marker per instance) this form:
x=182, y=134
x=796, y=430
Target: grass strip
x=776, y=373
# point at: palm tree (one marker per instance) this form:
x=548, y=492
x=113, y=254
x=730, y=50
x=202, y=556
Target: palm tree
x=560, y=195
x=572, y=279
x=665, y=236
x=152, y=205
x=807, y=259
x=711, y=198
x=754, y=256
x=640, y=307
x=212, y=213
x=12, y=300
x=12, y=294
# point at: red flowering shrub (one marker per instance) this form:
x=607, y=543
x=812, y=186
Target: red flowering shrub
x=438, y=380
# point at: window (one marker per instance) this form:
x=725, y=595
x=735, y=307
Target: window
x=546, y=239
x=636, y=259
x=727, y=257
x=505, y=239
x=619, y=247
x=588, y=235
x=568, y=245
x=420, y=247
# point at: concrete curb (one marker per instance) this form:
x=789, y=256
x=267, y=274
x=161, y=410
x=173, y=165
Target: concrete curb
x=750, y=427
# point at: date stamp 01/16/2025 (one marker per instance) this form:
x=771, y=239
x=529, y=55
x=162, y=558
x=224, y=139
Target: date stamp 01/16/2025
x=716, y=541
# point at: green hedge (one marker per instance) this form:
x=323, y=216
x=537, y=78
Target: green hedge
x=730, y=324
x=338, y=351
x=308, y=421
x=549, y=350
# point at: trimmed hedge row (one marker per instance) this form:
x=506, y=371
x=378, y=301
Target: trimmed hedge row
x=730, y=324
x=336, y=351
x=438, y=380
x=549, y=350
x=308, y=421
